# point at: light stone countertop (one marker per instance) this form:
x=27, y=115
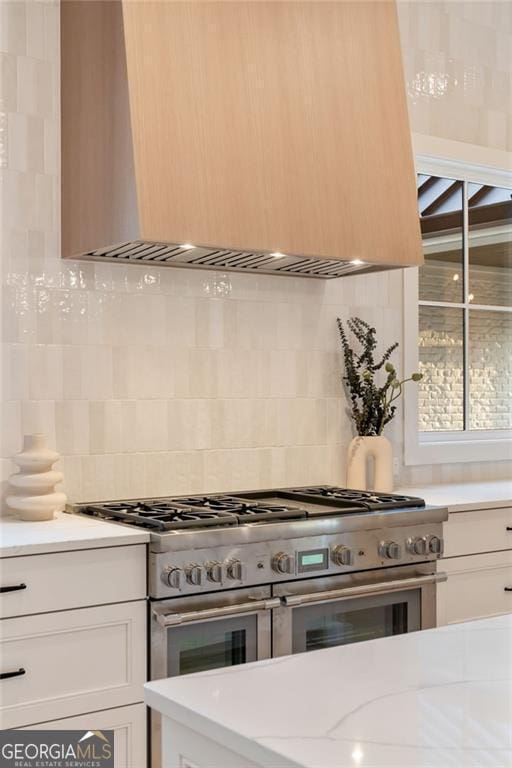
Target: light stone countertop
x=462, y=497
x=431, y=699
x=63, y=533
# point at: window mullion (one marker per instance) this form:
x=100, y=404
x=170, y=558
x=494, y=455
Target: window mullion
x=452, y=304
x=466, y=444
x=465, y=246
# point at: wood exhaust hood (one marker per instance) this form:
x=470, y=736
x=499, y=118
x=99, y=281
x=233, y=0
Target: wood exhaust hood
x=257, y=136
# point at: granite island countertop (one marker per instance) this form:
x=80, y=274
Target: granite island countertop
x=430, y=699
x=64, y=532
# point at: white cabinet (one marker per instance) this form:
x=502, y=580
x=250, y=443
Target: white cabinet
x=478, y=563
x=61, y=580
x=73, y=644
x=128, y=724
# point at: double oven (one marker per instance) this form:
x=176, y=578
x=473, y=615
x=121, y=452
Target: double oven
x=223, y=629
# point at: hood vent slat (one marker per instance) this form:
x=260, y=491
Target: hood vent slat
x=167, y=254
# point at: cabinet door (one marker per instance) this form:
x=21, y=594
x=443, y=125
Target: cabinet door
x=70, y=662
x=128, y=724
x=477, y=587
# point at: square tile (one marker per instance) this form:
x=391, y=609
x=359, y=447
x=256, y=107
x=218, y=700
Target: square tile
x=8, y=82
x=13, y=38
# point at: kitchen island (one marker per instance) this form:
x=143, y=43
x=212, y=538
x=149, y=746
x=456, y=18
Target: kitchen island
x=437, y=698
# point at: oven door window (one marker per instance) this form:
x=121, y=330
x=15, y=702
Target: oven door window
x=211, y=644
x=350, y=621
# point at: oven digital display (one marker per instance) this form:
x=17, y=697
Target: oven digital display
x=316, y=559
x=313, y=560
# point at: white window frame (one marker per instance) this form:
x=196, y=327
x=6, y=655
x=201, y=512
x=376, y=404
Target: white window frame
x=446, y=447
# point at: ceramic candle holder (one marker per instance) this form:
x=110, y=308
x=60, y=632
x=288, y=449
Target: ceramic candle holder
x=32, y=492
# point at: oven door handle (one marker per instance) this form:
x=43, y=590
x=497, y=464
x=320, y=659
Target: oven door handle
x=345, y=593
x=252, y=606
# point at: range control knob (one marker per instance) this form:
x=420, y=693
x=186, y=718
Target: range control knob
x=195, y=575
x=390, y=550
x=436, y=545
x=342, y=555
x=172, y=577
x=418, y=545
x=216, y=571
x=282, y=563
x=236, y=570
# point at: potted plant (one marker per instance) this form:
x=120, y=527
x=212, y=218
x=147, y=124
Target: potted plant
x=373, y=387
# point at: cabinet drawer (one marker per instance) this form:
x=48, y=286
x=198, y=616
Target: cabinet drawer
x=128, y=724
x=74, y=662
x=476, y=588
x=64, y=580
x=467, y=533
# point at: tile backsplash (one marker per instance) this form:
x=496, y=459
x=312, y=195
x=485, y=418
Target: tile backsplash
x=458, y=69
x=169, y=381
x=154, y=381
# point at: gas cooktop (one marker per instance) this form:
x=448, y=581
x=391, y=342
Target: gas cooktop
x=245, y=508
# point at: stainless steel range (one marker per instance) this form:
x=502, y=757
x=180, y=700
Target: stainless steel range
x=244, y=576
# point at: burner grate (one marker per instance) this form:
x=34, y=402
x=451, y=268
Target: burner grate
x=309, y=503
x=159, y=515
x=372, y=500
x=222, y=503
x=251, y=513
x=246, y=510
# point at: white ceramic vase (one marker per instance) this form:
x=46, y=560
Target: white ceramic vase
x=360, y=451
x=32, y=493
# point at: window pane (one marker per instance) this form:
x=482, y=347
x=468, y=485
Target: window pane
x=440, y=203
x=490, y=369
x=441, y=391
x=490, y=245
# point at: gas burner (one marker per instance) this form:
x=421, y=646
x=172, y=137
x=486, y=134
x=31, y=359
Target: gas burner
x=159, y=515
x=373, y=500
x=222, y=503
x=192, y=512
x=144, y=508
x=251, y=512
x=247, y=510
